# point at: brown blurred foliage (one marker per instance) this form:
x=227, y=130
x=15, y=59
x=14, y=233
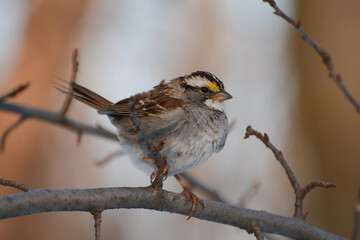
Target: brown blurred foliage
x=327, y=121
x=50, y=30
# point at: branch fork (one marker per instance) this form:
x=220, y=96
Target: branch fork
x=300, y=192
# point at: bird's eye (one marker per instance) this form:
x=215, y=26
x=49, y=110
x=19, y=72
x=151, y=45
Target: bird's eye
x=205, y=89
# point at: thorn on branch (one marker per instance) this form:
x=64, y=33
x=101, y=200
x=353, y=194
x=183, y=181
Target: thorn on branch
x=97, y=218
x=322, y=52
x=14, y=184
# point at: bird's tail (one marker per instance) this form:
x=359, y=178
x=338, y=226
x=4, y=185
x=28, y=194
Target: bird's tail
x=85, y=95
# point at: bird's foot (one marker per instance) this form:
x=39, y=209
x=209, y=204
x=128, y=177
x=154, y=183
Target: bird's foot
x=189, y=196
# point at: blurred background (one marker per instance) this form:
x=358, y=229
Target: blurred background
x=279, y=85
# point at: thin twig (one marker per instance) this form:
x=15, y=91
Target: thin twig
x=278, y=155
x=300, y=193
x=326, y=57
x=313, y=184
x=109, y=157
x=97, y=218
x=249, y=194
x=355, y=234
x=79, y=137
x=74, y=71
x=232, y=125
x=9, y=130
x=10, y=94
x=14, y=92
x=14, y=184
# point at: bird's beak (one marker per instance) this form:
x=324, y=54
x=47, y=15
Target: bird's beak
x=221, y=96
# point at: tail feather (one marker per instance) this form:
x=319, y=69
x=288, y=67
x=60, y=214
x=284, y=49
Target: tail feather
x=86, y=96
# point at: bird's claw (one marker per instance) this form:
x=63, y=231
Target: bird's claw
x=190, y=196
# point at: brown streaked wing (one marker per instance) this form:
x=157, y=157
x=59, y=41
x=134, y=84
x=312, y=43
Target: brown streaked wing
x=150, y=103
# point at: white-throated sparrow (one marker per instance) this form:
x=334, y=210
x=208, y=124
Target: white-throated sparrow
x=187, y=111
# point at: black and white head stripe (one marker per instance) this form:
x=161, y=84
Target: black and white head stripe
x=212, y=81
x=208, y=76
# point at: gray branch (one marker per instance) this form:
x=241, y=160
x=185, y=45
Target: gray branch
x=44, y=200
x=36, y=113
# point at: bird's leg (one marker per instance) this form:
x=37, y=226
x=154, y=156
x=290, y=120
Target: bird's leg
x=161, y=171
x=160, y=146
x=151, y=161
x=189, y=195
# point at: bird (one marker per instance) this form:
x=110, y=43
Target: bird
x=182, y=122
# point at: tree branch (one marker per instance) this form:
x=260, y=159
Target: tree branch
x=326, y=57
x=14, y=92
x=314, y=184
x=109, y=157
x=97, y=218
x=14, y=184
x=44, y=200
x=74, y=71
x=9, y=130
x=300, y=193
x=36, y=113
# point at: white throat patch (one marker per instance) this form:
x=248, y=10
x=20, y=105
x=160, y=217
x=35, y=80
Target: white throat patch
x=214, y=104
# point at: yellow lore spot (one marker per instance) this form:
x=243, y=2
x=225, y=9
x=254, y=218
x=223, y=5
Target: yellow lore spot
x=212, y=86
x=152, y=115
